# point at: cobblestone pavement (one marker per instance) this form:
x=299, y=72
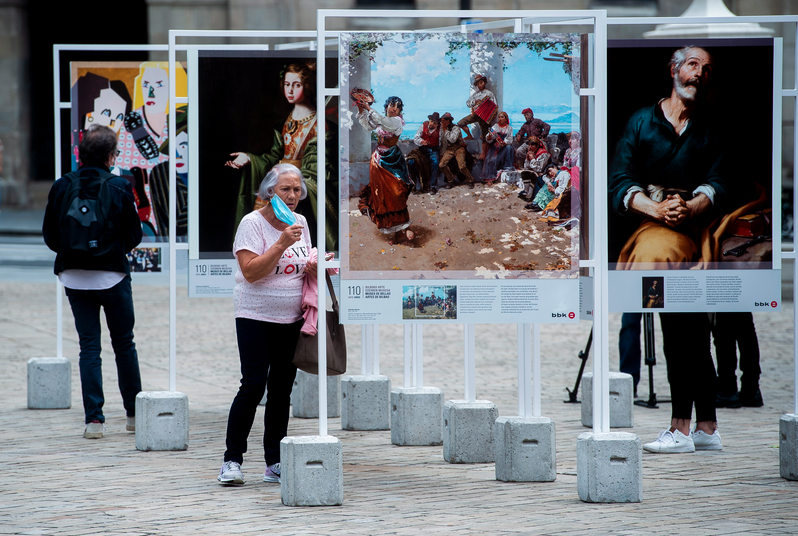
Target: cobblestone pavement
x=55, y=482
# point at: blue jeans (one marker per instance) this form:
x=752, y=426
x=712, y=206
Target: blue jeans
x=117, y=302
x=435, y=172
x=629, y=345
x=266, y=351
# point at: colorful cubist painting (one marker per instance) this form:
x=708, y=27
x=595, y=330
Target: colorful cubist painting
x=133, y=99
x=460, y=155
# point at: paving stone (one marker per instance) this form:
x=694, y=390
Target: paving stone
x=56, y=482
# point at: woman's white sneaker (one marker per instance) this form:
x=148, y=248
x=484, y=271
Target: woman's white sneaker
x=230, y=474
x=705, y=441
x=671, y=443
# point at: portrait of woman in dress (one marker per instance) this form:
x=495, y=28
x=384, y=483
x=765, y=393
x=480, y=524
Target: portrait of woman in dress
x=294, y=143
x=384, y=198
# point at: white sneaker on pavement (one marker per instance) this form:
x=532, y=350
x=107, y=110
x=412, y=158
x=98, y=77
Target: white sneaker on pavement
x=94, y=430
x=272, y=473
x=230, y=474
x=705, y=441
x=671, y=443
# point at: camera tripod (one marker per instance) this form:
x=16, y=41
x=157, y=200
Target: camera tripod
x=650, y=361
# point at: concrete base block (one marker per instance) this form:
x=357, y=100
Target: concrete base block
x=609, y=467
x=312, y=471
x=49, y=383
x=788, y=446
x=621, y=400
x=417, y=416
x=161, y=420
x=365, y=403
x=468, y=431
x=525, y=449
x=305, y=396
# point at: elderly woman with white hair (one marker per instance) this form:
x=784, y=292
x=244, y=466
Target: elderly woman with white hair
x=273, y=257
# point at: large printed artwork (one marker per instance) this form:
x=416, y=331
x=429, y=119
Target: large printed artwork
x=690, y=141
x=258, y=109
x=133, y=99
x=460, y=156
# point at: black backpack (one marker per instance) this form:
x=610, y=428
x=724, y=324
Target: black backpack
x=86, y=225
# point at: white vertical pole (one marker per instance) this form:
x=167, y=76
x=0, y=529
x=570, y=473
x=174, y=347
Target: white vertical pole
x=414, y=380
x=376, y=357
x=418, y=355
x=172, y=219
x=59, y=293
x=601, y=382
x=408, y=355
x=59, y=318
x=364, y=349
x=533, y=369
x=470, y=363
x=321, y=216
x=369, y=350
x=522, y=384
x=795, y=219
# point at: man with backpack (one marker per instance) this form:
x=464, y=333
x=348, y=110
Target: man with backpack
x=91, y=222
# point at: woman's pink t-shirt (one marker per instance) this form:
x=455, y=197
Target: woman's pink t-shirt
x=277, y=297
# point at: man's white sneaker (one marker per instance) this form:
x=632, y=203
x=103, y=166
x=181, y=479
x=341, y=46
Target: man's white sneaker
x=705, y=441
x=230, y=473
x=130, y=426
x=94, y=430
x=671, y=443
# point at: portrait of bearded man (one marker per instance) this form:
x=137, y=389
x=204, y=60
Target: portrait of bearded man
x=678, y=176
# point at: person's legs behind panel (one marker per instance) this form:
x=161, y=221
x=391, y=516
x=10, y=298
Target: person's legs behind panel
x=691, y=374
x=629, y=346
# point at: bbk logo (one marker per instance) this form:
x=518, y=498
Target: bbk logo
x=558, y=315
x=766, y=304
x=571, y=315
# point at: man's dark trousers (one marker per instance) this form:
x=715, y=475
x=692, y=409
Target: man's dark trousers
x=117, y=302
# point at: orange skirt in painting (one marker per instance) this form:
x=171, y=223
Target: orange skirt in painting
x=384, y=198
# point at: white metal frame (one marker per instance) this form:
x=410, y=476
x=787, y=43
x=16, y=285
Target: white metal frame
x=519, y=21
x=59, y=172
x=173, y=48
x=791, y=92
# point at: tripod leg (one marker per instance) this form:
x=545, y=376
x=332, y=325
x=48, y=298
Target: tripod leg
x=651, y=361
x=583, y=356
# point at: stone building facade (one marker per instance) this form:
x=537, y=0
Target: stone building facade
x=28, y=138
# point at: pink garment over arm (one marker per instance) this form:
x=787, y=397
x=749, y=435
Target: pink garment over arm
x=310, y=297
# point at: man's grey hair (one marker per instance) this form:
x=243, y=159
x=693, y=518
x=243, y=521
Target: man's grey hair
x=266, y=190
x=98, y=144
x=680, y=56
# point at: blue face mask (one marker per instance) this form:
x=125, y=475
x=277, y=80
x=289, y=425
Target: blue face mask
x=282, y=211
